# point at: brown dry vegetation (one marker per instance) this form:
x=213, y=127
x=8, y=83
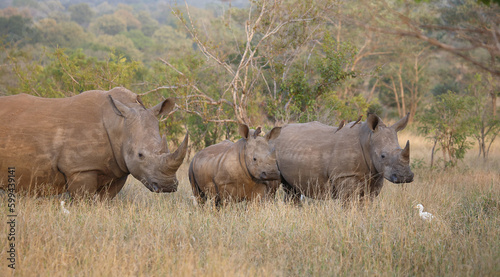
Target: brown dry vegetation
x=144, y=234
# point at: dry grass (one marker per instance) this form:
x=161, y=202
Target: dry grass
x=146, y=234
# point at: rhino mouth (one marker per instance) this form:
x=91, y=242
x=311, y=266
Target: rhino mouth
x=269, y=176
x=155, y=187
x=400, y=179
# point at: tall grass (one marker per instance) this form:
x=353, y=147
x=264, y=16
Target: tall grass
x=140, y=233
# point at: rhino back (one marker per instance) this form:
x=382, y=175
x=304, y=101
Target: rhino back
x=44, y=139
x=208, y=162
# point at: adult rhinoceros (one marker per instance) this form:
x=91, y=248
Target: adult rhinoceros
x=321, y=161
x=236, y=171
x=85, y=144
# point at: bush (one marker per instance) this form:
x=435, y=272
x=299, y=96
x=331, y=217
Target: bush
x=448, y=125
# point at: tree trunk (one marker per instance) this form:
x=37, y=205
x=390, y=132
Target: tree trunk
x=432, y=152
x=396, y=97
x=401, y=87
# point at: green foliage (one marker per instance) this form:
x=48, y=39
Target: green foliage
x=81, y=13
x=16, y=29
x=489, y=2
x=204, y=134
x=108, y=24
x=62, y=35
x=141, y=42
x=334, y=67
x=69, y=74
x=485, y=119
x=310, y=94
x=148, y=24
x=448, y=124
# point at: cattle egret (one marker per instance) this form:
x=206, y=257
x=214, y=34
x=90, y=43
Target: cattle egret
x=65, y=211
x=195, y=202
x=424, y=215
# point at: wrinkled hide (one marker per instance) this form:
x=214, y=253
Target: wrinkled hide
x=236, y=171
x=321, y=161
x=86, y=144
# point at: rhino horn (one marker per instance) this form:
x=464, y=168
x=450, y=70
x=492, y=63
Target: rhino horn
x=175, y=159
x=405, y=153
x=164, y=145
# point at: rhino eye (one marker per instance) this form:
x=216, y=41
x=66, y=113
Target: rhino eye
x=254, y=159
x=383, y=156
x=141, y=156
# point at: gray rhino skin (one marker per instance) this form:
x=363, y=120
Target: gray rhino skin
x=86, y=144
x=321, y=161
x=236, y=171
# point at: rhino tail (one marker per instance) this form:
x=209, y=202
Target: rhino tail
x=198, y=193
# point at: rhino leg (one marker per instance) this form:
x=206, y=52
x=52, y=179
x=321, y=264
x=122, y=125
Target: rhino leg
x=82, y=184
x=292, y=194
x=261, y=193
x=198, y=193
x=271, y=187
x=109, y=192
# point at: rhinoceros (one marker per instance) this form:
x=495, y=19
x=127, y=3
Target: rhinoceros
x=236, y=171
x=86, y=144
x=321, y=161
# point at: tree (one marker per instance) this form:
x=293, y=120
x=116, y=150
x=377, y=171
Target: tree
x=276, y=34
x=486, y=122
x=66, y=34
x=448, y=124
x=467, y=29
x=81, y=13
x=16, y=28
x=70, y=74
x=128, y=19
x=108, y=24
x=148, y=24
x=406, y=77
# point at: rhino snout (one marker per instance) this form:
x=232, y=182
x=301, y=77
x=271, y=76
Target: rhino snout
x=269, y=175
x=172, y=187
x=401, y=179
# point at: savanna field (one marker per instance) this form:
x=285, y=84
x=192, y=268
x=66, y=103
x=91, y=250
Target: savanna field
x=140, y=233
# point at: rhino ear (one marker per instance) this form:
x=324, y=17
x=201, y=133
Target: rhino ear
x=401, y=124
x=118, y=107
x=373, y=122
x=243, y=130
x=164, y=107
x=273, y=134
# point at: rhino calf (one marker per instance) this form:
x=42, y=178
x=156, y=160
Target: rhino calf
x=321, y=161
x=236, y=171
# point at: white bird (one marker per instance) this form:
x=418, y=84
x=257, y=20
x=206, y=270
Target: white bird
x=63, y=208
x=424, y=215
x=195, y=202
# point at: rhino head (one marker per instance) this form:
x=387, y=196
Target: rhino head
x=145, y=153
x=386, y=155
x=260, y=159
